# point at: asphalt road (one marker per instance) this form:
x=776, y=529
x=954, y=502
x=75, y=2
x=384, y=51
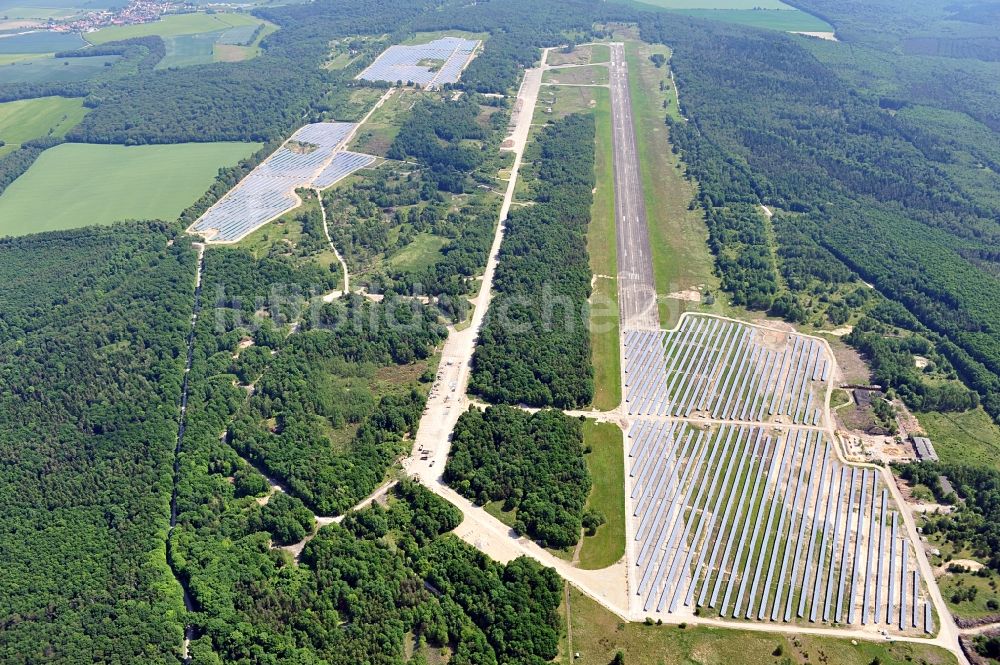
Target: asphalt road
x=636, y=284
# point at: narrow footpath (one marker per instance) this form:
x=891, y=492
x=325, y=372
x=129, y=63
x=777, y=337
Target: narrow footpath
x=343, y=264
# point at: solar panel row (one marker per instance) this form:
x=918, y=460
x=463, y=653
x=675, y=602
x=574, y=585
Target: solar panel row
x=310, y=158
x=764, y=525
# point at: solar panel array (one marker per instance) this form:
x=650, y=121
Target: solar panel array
x=765, y=526
x=344, y=163
x=726, y=370
x=310, y=158
x=402, y=63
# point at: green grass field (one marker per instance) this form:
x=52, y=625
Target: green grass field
x=18, y=9
x=986, y=591
x=964, y=438
x=187, y=50
x=75, y=185
x=600, y=53
x=376, y=135
x=10, y=58
x=584, y=75
x=606, y=463
x=601, y=246
x=28, y=119
x=50, y=8
x=423, y=252
x=580, y=55
x=173, y=25
x=220, y=45
x=597, y=635
x=679, y=237
x=235, y=53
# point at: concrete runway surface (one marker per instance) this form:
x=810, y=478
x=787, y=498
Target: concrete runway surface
x=636, y=284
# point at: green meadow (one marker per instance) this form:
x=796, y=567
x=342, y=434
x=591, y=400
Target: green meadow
x=76, y=184
x=28, y=119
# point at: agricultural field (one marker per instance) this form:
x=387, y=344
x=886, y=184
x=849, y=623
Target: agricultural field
x=597, y=635
x=45, y=68
x=710, y=367
x=41, y=42
x=772, y=14
x=226, y=45
x=28, y=119
x=174, y=25
x=720, y=4
x=52, y=8
x=74, y=185
x=310, y=158
x=773, y=19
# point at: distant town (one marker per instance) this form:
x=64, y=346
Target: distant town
x=136, y=12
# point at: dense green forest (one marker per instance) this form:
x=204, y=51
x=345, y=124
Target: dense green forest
x=771, y=124
x=92, y=331
x=325, y=408
x=365, y=591
x=534, y=347
x=532, y=462
x=448, y=137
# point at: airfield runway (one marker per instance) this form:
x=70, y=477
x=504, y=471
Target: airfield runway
x=636, y=285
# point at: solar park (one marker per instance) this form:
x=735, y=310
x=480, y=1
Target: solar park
x=736, y=500
x=725, y=370
x=312, y=157
x=403, y=63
